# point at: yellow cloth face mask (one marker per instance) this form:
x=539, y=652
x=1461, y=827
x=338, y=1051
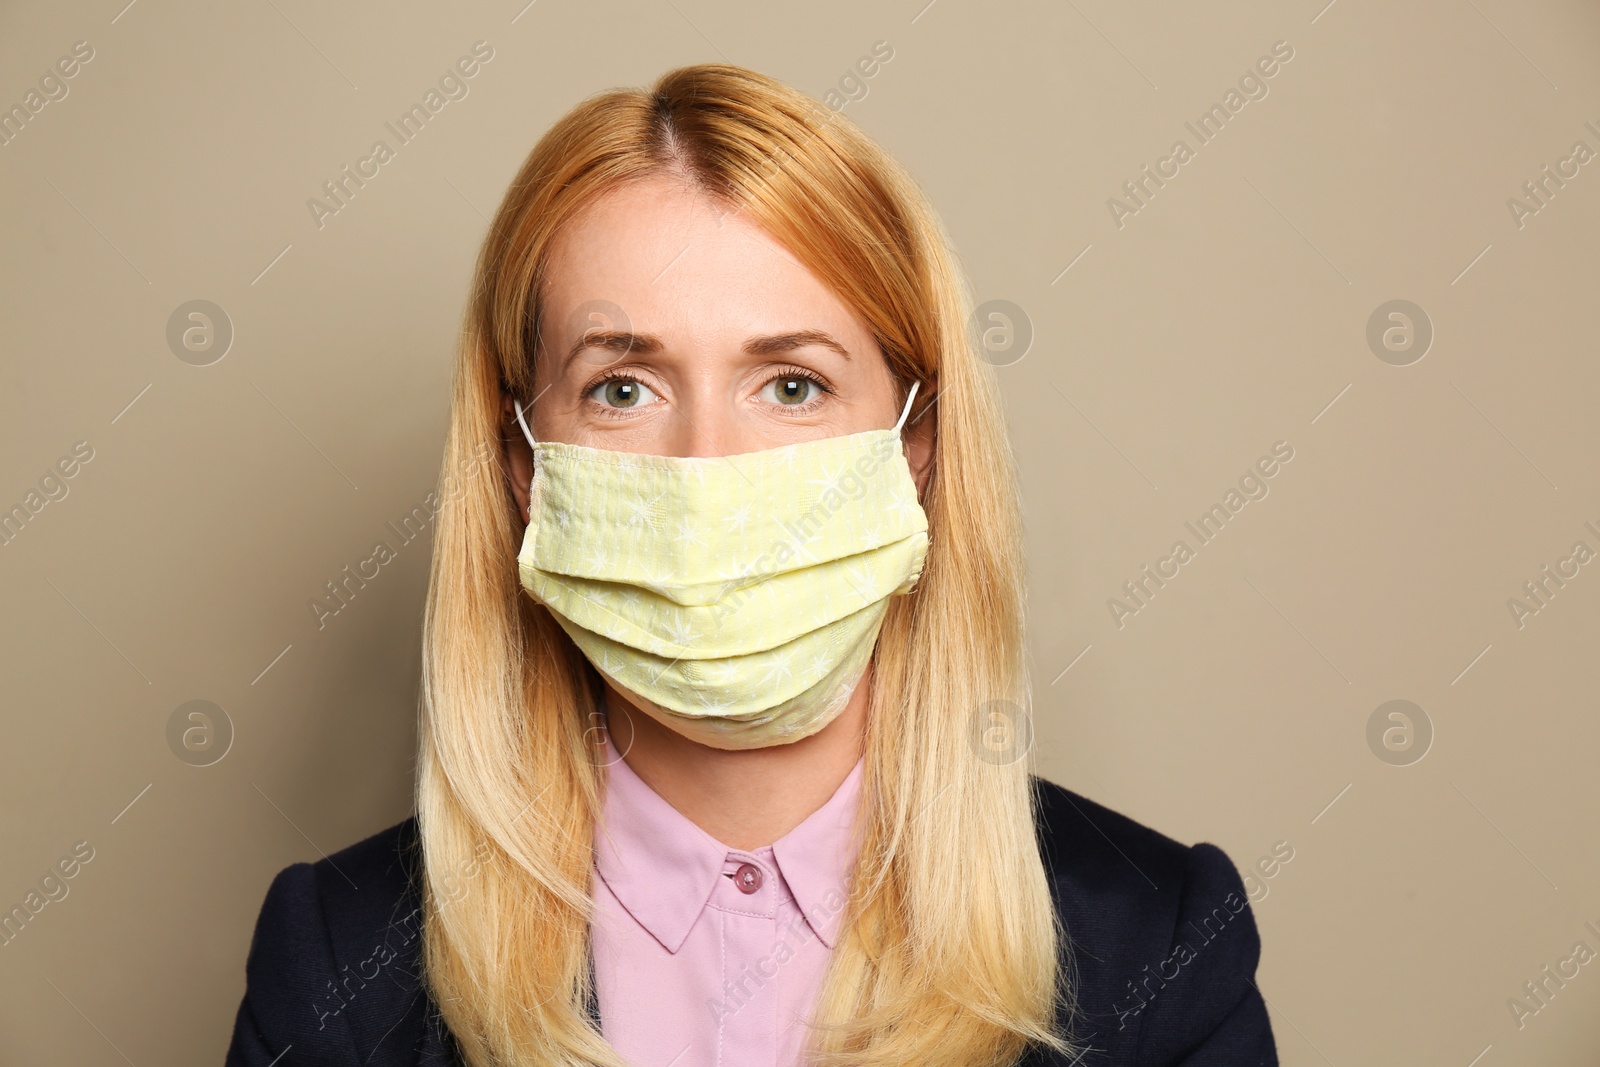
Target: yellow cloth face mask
x=742, y=595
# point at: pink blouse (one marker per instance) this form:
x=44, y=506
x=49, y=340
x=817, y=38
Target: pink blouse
x=705, y=955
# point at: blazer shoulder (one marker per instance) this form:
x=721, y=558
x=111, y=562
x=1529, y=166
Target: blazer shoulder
x=1102, y=854
x=1161, y=943
x=335, y=961
x=388, y=864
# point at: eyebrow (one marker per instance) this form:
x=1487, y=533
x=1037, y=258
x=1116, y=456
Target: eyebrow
x=623, y=342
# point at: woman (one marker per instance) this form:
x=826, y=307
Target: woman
x=719, y=664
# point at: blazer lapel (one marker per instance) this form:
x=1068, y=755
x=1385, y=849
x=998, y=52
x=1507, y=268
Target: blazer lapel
x=594, y=1005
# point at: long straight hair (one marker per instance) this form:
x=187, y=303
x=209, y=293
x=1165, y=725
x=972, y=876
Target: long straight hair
x=950, y=946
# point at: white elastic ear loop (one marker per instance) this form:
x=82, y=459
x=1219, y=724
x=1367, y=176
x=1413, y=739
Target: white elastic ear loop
x=524, y=424
x=529, y=435
x=907, y=410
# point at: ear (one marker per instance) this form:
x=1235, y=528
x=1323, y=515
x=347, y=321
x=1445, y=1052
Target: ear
x=919, y=433
x=518, y=455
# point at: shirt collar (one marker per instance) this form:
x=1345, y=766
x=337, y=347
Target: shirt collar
x=663, y=868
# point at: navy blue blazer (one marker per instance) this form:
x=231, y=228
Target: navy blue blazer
x=1161, y=958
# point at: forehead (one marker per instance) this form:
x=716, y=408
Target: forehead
x=673, y=258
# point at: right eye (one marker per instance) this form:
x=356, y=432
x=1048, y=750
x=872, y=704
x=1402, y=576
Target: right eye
x=622, y=393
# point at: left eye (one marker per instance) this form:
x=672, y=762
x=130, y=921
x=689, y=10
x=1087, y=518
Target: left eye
x=790, y=389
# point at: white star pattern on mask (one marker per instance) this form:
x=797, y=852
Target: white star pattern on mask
x=715, y=673
x=639, y=511
x=712, y=707
x=680, y=631
x=829, y=480
x=657, y=576
x=615, y=668
x=780, y=666
x=739, y=518
x=860, y=580
x=689, y=533
x=901, y=506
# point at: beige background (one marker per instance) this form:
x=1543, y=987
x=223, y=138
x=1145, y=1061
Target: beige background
x=1227, y=314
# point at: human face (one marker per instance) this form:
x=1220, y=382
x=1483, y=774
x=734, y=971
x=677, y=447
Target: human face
x=724, y=343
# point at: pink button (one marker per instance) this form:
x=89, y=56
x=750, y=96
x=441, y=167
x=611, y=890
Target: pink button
x=747, y=878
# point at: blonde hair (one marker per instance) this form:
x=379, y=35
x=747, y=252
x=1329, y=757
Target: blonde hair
x=948, y=953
